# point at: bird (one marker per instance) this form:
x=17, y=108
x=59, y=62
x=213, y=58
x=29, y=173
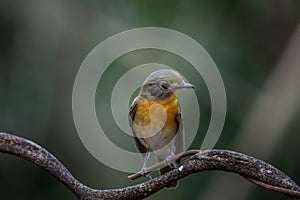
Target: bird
x=155, y=119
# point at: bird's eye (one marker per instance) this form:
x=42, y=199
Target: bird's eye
x=165, y=86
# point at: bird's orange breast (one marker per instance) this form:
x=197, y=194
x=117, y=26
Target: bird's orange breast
x=156, y=121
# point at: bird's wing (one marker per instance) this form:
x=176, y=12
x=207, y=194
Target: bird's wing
x=132, y=110
x=180, y=136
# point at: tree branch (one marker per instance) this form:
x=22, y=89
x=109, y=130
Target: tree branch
x=252, y=169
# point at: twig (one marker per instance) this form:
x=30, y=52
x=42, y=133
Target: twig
x=252, y=169
x=275, y=188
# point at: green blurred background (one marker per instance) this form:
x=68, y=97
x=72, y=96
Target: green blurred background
x=255, y=44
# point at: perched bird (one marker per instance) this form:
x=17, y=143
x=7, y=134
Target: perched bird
x=155, y=118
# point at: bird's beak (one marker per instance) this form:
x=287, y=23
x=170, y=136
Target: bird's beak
x=186, y=85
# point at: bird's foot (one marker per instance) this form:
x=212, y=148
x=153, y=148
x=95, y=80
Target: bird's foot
x=145, y=173
x=169, y=162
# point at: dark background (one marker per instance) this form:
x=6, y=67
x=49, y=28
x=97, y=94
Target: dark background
x=255, y=44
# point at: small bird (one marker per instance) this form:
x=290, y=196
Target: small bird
x=155, y=119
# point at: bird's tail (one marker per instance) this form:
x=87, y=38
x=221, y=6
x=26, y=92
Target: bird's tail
x=164, y=170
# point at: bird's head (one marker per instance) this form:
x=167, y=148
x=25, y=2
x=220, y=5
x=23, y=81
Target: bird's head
x=162, y=84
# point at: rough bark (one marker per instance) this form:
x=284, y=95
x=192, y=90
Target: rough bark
x=254, y=170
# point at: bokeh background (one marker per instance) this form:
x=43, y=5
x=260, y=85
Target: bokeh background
x=255, y=44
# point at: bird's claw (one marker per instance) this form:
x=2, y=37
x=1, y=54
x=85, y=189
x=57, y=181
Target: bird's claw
x=169, y=162
x=145, y=173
